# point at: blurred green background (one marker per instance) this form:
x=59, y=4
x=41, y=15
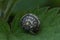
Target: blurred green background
x=11, y=12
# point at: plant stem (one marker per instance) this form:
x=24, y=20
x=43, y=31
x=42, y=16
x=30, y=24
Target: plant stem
x=8, y=10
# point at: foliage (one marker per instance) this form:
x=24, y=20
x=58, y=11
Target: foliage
x=49, y=17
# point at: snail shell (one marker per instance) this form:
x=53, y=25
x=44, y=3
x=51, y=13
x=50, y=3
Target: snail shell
x=30, y=22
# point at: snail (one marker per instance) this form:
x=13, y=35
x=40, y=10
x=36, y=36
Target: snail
x=30, y=23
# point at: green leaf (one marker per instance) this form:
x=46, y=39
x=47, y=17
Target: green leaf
x=50, y=25
x=4, y=27
x=55, y=2
x=4, y=30
x=28, y=4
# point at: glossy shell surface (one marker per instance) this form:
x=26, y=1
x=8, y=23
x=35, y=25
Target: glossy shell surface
x=30, y=22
